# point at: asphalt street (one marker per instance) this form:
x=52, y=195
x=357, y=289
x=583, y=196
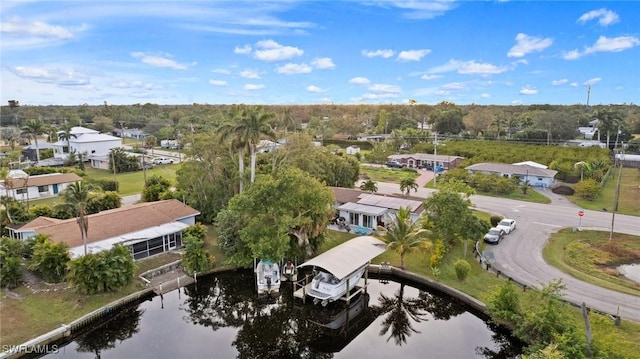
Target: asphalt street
x=520, y=254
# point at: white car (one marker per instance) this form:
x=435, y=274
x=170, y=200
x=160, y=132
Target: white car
x=162, y=161
x=507, y=225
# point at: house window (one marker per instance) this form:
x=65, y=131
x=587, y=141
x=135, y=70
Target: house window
x=354, y=218
x=21, y=191
x=156, y=246
x=367, y=221
x=43, y=189
x=539, y=178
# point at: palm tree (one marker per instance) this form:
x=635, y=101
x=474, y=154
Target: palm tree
x=237, y=143
x=408, y=184
x=64, y=134
x=32, y=129
x=369, y=186
x=76, y=199
x=405, y=236
x=609, y=121
x=582, y=165
x=250, y=127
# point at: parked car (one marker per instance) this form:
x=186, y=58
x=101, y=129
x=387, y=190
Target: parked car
x=395, y=164
x=494, y=236
x=162, y=161
x=507, y=225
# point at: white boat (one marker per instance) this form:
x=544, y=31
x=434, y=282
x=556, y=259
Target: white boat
x=326, y=288
x=267, y=277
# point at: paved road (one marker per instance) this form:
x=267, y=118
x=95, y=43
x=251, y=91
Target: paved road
x=520, y=254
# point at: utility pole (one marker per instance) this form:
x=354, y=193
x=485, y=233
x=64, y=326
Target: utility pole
x=435, y=160
x=113, y=163
x=588, y=93
x=615, y=203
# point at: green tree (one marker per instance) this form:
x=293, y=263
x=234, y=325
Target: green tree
x=462, y=269
x=588, y=189
x=64, y=134
x=296, y=206
x=197, y=230
x=10, y=258
x=150, y=142
x=194, y=258
x=405, y=236
x=446, y=117
x=369, y=186
x=407, y=184
x=154, y=188
x=504, y=304
x=122, y=161
x=49, y=259
x=32, y=129
x=76, y=200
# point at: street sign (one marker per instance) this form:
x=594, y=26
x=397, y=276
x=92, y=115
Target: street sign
x=580, y=213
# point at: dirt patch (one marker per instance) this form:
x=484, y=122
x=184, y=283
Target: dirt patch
x=36, y=284
x=563, y=190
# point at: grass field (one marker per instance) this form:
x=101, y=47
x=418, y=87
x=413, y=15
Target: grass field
x=383, y=174
x=591, y=257
x=629, y=199
x=133, y=182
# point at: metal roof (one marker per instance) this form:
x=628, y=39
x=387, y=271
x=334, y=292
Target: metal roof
x=363, y=208
x=388, y=202
x=344, y=259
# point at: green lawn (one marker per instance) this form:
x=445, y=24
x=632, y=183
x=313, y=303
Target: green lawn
x=629, y=199
x=382, y=174
x=133, y=182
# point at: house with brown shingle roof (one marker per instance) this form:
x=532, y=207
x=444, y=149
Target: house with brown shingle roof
x=24, y=187
x=147, y=229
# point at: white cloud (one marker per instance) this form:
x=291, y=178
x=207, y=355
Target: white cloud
x=430, y=77
x=135, y=85
x=468, y=68
x=360, y=81
x=244, y=50
x=292, y=69
x=605, y=17
x=315, y=89
x=20, y=33
x=516, y=102
x=383, y=88
x=412, y=55
x=250, y=74
x=419, y=10
x=61, y=77
x=616, y=44
x=221, y=71
x=605, y=44
x=325, y=63
x=592, y=81
x=528, y=90
x=269, y=50
x=485, y=95
x=160, y=61
x=218, y=83
x=453, y=86
x=378, y=96
x=378, y=53
x=526, y=44
x=253, y=87
x=559, y=82
x=574, y=84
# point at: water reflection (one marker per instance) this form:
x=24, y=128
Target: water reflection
x=223, y=317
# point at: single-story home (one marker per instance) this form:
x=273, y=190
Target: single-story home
x=427, y=160
x=374, y=138
x=627, y=160
x=537, y=177
x=134, y=133
x=368, y=210
x=21, y=186
x=353, y=149
x=147, y=229
x=530, y=163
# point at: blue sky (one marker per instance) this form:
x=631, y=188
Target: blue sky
x=314, y=52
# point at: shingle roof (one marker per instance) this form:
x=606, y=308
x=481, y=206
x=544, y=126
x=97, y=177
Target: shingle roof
x=43, y=180
x=424, y=157
x=345, y=195
x=115, y=222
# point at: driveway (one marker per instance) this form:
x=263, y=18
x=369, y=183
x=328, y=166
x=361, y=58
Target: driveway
x=520, y=254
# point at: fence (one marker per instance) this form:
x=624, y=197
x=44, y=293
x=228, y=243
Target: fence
x=487, y=265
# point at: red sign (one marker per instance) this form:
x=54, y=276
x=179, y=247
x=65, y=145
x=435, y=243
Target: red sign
x=580, y=213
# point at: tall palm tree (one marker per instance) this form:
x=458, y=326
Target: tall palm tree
x=237, y=143
x=64, y=134
x=32, y=129
x=251, y=126
x=405, y=236
x=76, y=200
x=408, y=184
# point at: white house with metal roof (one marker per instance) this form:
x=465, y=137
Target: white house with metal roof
x=537, y=177
x=85, y=141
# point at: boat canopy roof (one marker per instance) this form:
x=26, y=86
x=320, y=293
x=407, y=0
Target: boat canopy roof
x=344, y=259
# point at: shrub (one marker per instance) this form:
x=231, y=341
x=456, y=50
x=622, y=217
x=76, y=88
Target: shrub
x=197, y=230
x=106, y=185
x=107, y=271
x=588, y=189
x=563, y=190
x=495, y=220
x=194, y=259
x=10, y=251
x=437, y=253
x=462, y=269
x=49, y=259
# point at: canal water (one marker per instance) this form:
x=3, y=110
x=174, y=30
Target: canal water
x=222, y=317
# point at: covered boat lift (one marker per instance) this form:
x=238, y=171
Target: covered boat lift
x=341, y=261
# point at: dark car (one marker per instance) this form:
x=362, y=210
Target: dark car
x=494, y=236
x=395, y=164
